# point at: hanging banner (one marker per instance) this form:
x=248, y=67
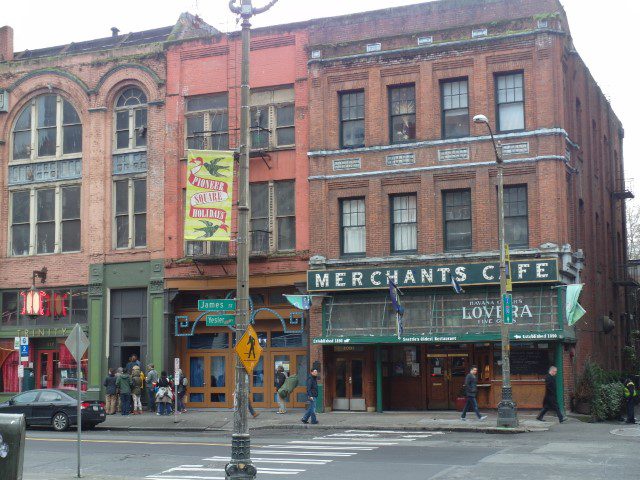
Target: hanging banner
x=209, y=195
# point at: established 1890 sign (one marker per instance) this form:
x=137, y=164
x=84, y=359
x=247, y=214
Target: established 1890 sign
x=522, y=271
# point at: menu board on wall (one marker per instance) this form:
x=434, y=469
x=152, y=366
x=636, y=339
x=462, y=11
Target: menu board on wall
x=529, y=362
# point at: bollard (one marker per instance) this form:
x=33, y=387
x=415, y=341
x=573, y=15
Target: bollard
x=12, y=443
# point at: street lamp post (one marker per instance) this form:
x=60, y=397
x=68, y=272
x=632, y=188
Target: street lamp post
x=507, y=411
x=240, y=466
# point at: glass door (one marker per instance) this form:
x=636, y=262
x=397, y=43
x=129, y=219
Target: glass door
x=458, y=369
x=218, y=375
x=45, y=370
x=258, y=386
x=349, y=384
x=196, y=392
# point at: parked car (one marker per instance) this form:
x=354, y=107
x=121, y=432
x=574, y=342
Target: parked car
x=54, y=407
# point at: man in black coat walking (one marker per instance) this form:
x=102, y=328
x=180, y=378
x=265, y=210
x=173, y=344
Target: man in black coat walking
x=312, y=395
x=550, y=398
x=471, y=390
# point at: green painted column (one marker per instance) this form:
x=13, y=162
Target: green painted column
x=560, y=375
x=378, y=379
x=157, y=332
x=97, y=331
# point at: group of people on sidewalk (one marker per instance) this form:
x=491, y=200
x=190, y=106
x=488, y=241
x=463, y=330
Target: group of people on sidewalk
x=126, y=386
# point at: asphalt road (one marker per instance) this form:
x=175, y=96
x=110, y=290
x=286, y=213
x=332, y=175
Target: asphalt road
x=570, y=451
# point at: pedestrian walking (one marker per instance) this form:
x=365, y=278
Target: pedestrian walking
x=471, y=390
x=111, y=392
x=312, y=395
x=253, y=413
x=151, y=384
x=631, y=396
x=182, y=391
x=136, y=390
x=550, y=401
x=124, y=385
x=281, y=377
x=164, y=397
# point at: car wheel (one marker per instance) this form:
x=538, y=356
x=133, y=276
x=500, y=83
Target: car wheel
x=60, y=422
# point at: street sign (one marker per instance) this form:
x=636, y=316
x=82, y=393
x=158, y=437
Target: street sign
x=508, y=265
x=24, y=350
x=249, y=350
x=16, y=343
x=20, y=371
x=77, y=342
x=176, y=364
x=216, y=305
x=24, y=340
x=507, y=308
x=222, y=320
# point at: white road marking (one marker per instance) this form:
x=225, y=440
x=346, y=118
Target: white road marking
x=307, y=461
x=312, y=454
x=190, y=477
x=322, y=447
x=338, y=442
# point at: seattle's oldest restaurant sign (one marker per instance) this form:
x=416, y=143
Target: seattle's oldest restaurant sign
x=522, y=271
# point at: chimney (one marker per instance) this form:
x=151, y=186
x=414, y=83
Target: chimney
x=115, y=31
x=6, y=44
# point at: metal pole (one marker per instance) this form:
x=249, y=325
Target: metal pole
x=240, y=466
x=78, y=385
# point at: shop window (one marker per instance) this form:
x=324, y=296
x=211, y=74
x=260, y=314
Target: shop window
x=273, y=217
x=212, y=341
x=352, y=119
x=457, y=219
x=272, y=119
x=516, y=219
x=55, y=133
x=131, y=120
x=45, y=220
x=455, y=108
x=288, y=340
x=403, y=362
x=207, y=122
x=218, y=372
x=404, y=223
x=9, y=308
x=130, y=213
x=352, y=226
x=510, y=101
x=402, y=113
x=62, y=305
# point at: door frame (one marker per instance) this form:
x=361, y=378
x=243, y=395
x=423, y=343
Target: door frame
x=49, y=372
x=451, y=388
x=206, y=389
x=349, y=401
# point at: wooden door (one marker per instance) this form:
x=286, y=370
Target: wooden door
x=437, y=381
x=458, y=366
x=349, y=384
x=209, y=376
x=294, y=363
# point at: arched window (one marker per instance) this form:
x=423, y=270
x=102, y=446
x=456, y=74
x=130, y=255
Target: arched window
x=131, y=120
x=48, y=127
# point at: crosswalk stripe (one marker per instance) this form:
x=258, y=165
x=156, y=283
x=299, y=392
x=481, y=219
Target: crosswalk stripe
x=190, y=477
x=376, y=431
x=342, y=442
x=323, y=447
x=306, y=461
x=311, y=454
x=204, y=469
x=361, y=439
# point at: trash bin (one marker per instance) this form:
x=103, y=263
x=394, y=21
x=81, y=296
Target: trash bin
x=12, y=442
x=29, y=380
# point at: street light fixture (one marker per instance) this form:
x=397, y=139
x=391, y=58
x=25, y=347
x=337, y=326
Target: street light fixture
x=507, y=412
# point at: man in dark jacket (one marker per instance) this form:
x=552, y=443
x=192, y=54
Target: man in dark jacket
x=630, y=395
x=124, y=385
x=471, y=390
x=312, y=395
x=111, y=392
x=550, y=401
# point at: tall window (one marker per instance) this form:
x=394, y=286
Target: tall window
x=131, y=120
x=273, y=217
x=45, y=220
x=455, y=108
x=510, y=102
x=272, y=119
x=352, y=119
x=402, y=112
x=130, y=213
x=47, y=127
x=207, y=122
x=457, y=219
x=404, y=223
x=516, y=219
x=353, y=226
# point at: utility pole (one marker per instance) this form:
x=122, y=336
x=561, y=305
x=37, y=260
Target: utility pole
x=240, y=466
x=507, y=411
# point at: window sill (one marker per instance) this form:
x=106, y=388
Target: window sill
x=404, y=252
x=131, y=250
x=43, y=254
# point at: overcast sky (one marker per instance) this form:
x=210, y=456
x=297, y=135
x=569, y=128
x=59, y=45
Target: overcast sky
x=605, y=35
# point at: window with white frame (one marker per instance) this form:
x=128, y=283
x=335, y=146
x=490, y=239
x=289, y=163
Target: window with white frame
x=272, y=119
x=510, y=101
x=48, y=127
x=353, y=233
x=273, y=218
x=131, y=120
x=455, y=108
x=404, y=223
x=130, y=213
x=516, y=216
x=45, y=220
x=457, y=220
x=207, y=122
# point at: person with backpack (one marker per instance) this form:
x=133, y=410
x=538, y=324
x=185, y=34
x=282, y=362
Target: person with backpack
x=136, y=390
x=124, y=385
x=182, y=391
x=630, y=396
x=164, y=397
x=151, y=383
x=281, y=377
x=471, y=390
x=111, y=392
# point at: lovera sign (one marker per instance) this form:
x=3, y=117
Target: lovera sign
x=522, y=271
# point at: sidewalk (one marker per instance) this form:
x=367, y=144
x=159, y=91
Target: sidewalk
x=222, y=420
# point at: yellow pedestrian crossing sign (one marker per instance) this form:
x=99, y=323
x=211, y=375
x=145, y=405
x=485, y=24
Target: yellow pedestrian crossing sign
x=249, y=350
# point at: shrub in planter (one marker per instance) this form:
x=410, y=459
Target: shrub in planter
x=607, y=403
x=599, y=393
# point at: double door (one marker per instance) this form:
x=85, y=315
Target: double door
x=47, y=373
x=447, y=372
x=262, y=380
x=349, y=384
x=210, y=380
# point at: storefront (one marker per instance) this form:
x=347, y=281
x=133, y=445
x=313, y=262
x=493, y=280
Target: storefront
x=368, y=366
x=207, y=356
x=49, y=361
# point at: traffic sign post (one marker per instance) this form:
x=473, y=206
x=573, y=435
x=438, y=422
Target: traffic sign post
x=216, y=305
x=507, y=308
x=249, y=350
x=77, y=343
x=176, y=379
x=222, y=320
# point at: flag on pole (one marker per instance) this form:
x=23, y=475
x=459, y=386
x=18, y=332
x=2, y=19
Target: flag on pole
x=394, y=293
x=456, y=286
x=303, y=302
x=573, y=310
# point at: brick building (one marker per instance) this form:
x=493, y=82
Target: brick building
x=403, y=185
x=81, y=154
x=203, y=112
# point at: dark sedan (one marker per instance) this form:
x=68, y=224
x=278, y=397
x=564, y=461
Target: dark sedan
x=56, y=408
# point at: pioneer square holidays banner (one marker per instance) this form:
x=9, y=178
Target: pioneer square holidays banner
x=209, y=195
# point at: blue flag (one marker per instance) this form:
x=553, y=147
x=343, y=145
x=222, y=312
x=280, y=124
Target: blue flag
x=394, y=293
x=456, y=286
